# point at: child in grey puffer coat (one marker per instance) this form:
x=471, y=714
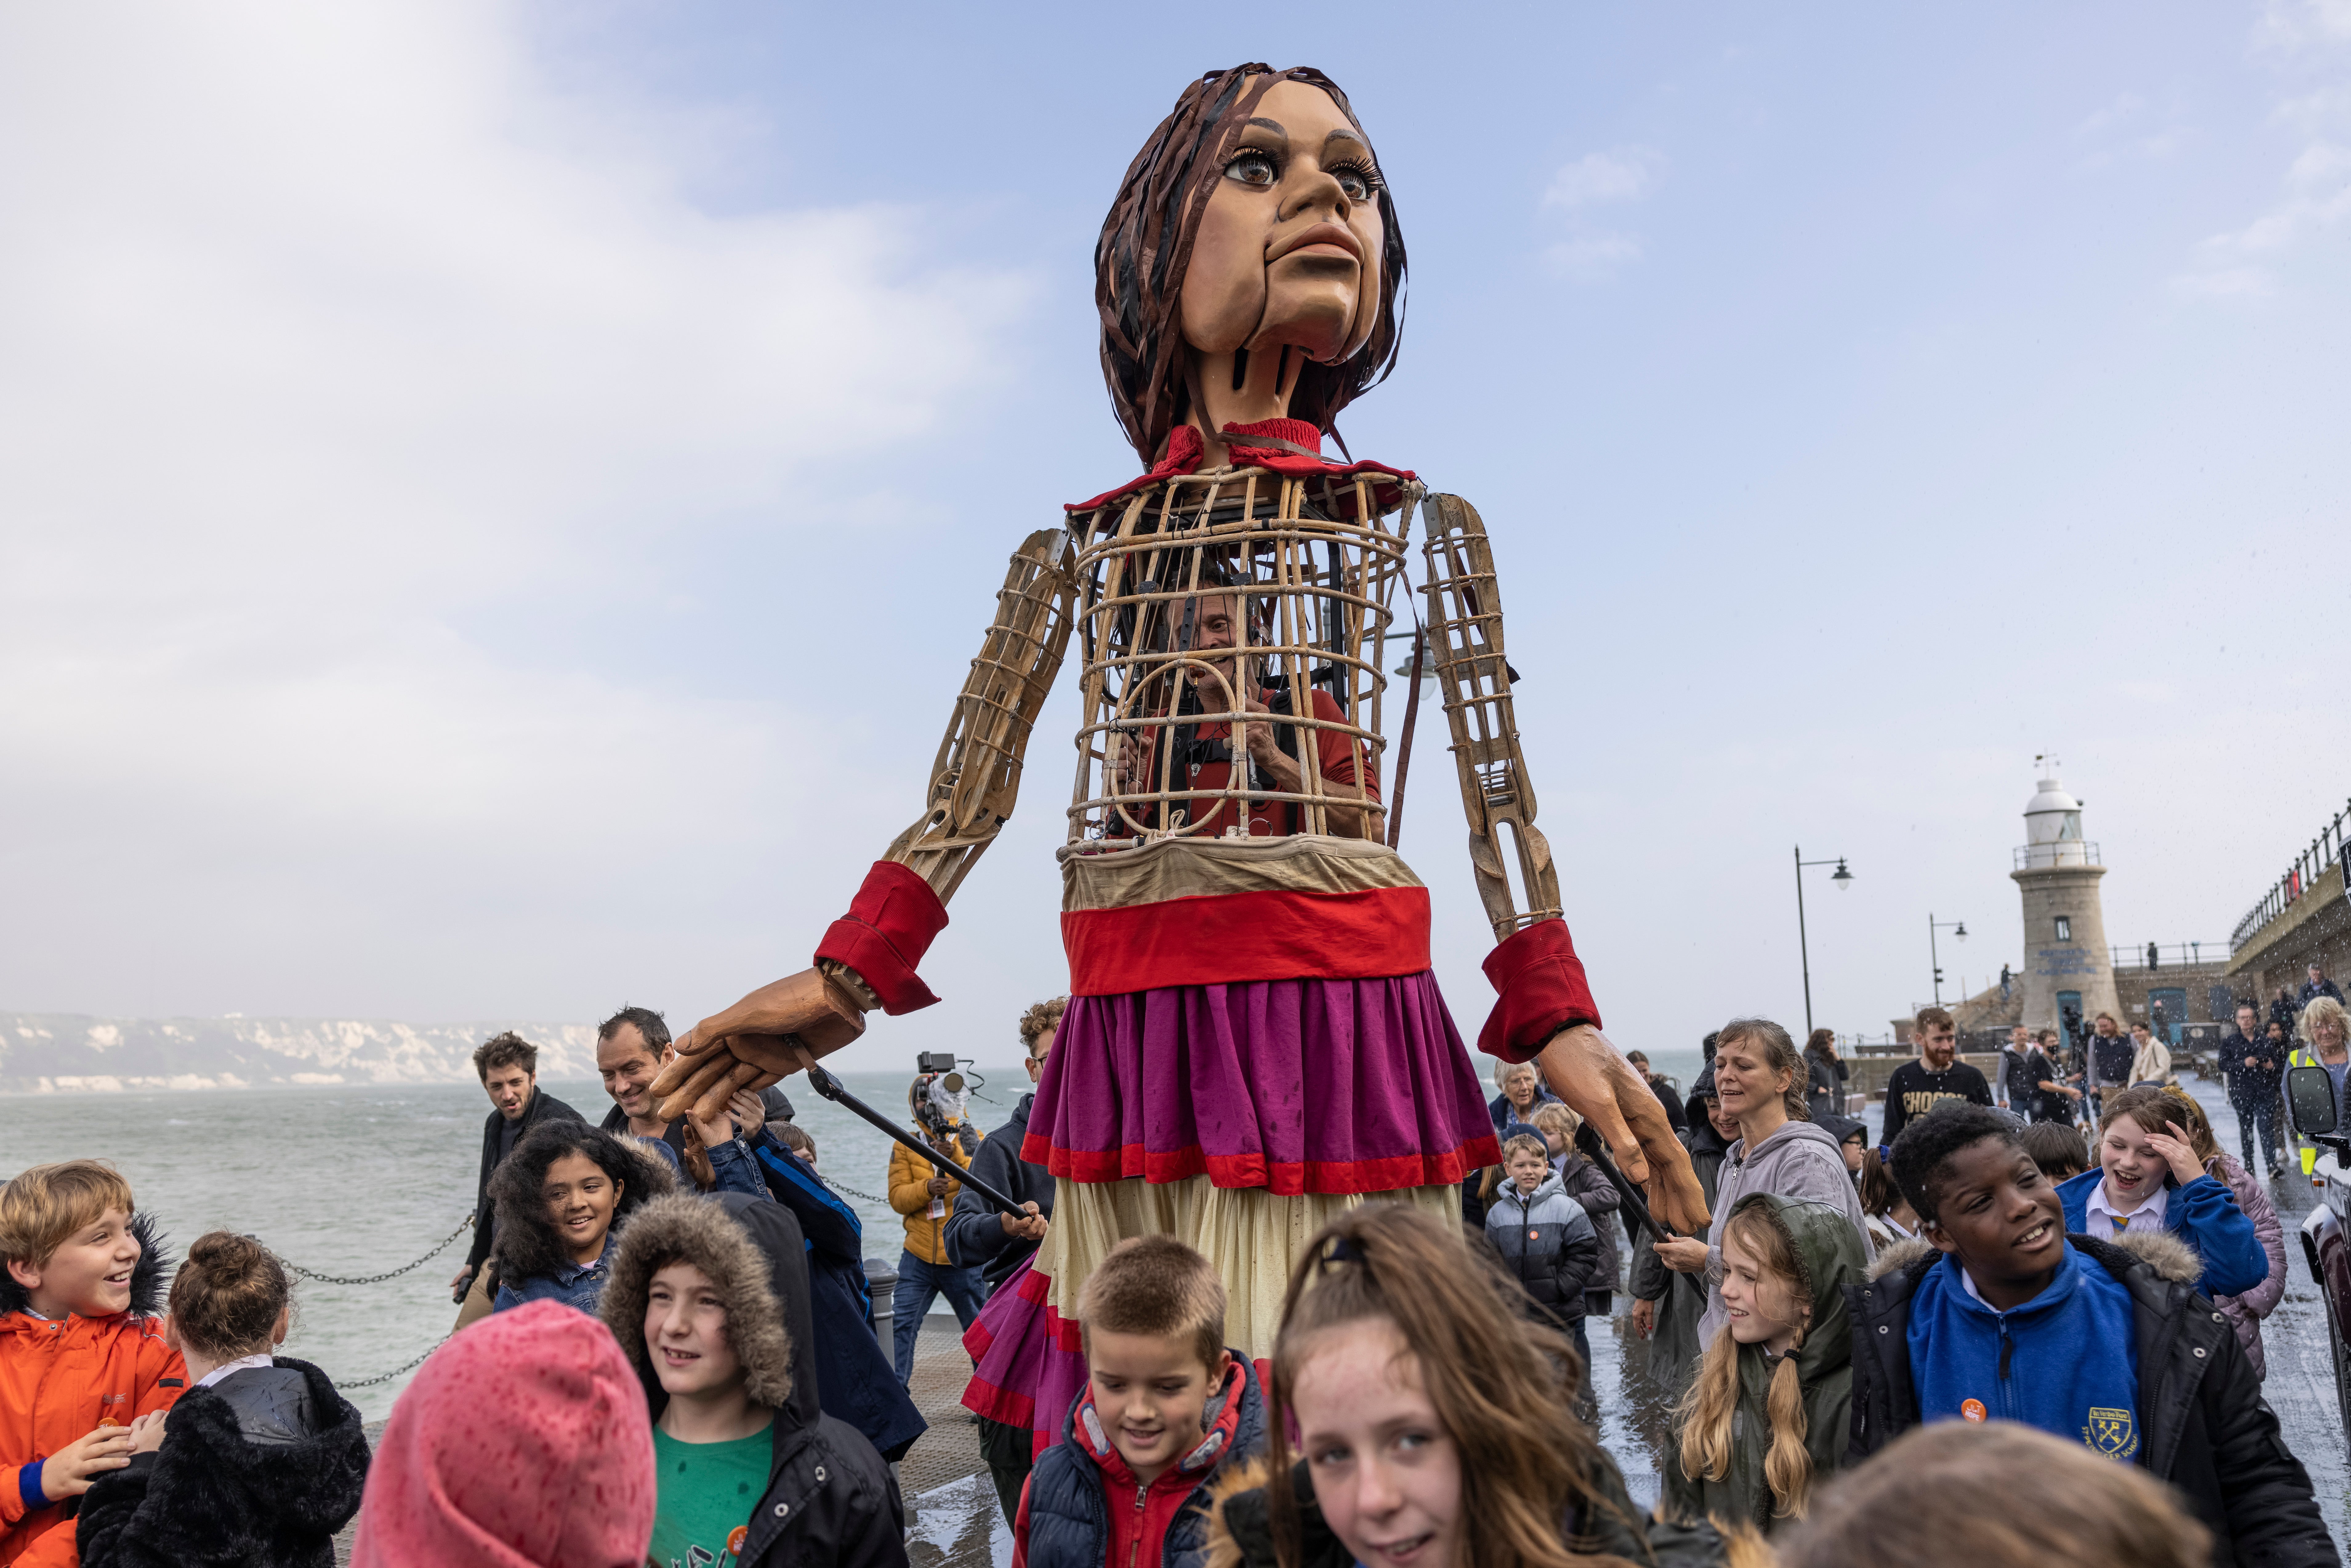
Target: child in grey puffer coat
x=1547, y=1242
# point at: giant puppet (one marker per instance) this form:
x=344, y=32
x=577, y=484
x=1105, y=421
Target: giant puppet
x=1255, y=1040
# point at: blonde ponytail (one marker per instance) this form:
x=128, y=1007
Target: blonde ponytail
x=1708, y=1410
x=1788, y=1467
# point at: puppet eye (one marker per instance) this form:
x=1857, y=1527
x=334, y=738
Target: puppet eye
x=1358, y=180
x=1253, y=166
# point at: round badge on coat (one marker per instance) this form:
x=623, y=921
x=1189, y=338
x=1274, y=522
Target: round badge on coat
x=1972, y=1409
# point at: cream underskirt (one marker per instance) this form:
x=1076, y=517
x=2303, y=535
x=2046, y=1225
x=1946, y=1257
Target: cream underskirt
x=1252, y=1237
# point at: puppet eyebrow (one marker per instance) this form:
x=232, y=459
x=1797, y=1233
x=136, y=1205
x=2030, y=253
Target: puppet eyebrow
x=1343, y=134
x=1264, y=124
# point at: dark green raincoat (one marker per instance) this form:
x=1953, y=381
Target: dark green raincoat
x=1830, y=1250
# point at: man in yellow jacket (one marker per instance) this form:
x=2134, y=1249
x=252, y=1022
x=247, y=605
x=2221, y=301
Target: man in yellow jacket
x=926, y=1198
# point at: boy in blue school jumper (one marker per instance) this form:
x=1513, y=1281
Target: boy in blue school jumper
x=1995, y=1314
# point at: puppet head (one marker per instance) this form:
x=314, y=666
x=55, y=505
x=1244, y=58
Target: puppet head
x=1251, y=265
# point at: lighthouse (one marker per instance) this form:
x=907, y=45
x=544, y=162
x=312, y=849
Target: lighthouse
x=2067, y=965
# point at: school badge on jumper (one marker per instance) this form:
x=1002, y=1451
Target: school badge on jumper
x=2111, y=1432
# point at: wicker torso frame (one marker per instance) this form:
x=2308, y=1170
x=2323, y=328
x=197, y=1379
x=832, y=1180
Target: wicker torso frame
x=1316, y=562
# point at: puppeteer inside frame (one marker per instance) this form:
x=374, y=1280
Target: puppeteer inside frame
x=1255, y=1038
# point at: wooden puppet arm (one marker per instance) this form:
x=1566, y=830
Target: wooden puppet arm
x=868, y=958
x=1545, y=1011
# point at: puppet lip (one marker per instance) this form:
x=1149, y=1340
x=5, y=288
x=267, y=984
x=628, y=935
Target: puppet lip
x=1322, y=237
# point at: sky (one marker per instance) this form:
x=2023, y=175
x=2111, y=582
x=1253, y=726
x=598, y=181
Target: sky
x=496, y=499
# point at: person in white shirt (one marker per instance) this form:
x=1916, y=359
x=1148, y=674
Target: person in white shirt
x=2150, y=1058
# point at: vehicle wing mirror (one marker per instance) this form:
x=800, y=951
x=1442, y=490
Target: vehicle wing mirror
x=2310, y=1100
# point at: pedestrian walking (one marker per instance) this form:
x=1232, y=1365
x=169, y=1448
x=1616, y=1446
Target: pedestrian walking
x=1824, y=1075
x=2253, y=1063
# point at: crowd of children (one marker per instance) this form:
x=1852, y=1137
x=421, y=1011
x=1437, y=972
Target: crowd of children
x=1846, y=1354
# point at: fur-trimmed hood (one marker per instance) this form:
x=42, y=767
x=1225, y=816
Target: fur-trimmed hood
x=2170, y=1257
x=678, y=1228
x=149, y=1276
x=524, y=1243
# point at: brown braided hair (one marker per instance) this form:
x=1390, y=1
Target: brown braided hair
x=1147, y=247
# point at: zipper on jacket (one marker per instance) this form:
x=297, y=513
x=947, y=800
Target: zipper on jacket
x=1135, y=1547
x=2007, y=1388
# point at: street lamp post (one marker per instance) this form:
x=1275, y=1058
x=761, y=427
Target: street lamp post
x=1840, y=882
x=1958, y=928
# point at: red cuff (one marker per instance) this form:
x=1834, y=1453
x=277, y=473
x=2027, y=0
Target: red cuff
x=887, y=930
x=1543, y=991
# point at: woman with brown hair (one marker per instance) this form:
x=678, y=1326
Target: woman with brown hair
x=1768, y=1410
x=1432, y=1425
x=1761, y=1080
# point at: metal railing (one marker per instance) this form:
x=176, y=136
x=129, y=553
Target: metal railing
x=2166, y=954
x=2325, y=849
x=2063, y=853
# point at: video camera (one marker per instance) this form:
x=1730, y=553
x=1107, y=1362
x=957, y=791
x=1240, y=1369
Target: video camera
x=938, y=1094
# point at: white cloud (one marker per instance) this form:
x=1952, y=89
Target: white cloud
x=2304, y=34
x=331, y=332
x=1620, y=174
x=1592, y=256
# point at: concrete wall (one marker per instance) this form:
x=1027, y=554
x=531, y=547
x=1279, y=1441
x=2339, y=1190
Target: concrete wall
x=2317, y=926
x=2081, y=964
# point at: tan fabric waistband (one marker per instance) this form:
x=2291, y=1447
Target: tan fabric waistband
x=1199, y=868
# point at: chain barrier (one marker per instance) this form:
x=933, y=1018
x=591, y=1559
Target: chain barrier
x=387, y=1377
x=380, y=1279
x=844, y=1187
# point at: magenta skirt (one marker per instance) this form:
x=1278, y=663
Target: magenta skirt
x=1298, y=1086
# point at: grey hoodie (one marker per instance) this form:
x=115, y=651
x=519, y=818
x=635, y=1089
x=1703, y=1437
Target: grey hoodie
x=1799, y=1161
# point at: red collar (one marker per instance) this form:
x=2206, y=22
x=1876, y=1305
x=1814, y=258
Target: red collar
x=1185, y=449
x=1199, y=1459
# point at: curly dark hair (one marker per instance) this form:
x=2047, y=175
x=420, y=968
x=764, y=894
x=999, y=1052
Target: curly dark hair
x=1923, y=1154
x=507, y=1049
x=1146, y=247
x=526, y=1244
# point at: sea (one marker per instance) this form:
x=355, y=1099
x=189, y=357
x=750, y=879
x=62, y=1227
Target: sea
x=356, y=1182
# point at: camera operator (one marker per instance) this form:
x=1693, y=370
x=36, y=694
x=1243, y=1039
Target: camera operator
x=999, y=1243
x=925, y=1197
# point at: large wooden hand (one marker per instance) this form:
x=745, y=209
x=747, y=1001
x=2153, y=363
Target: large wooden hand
x=1599, y=1085
x=774, y=1032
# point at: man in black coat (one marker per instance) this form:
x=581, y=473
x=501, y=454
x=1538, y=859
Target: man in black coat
x=509, y=1068
x=2255, y=1067
x=630, y=1047
x=976, y=1232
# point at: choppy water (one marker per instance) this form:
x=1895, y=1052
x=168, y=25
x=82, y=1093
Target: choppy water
x=354, y=1181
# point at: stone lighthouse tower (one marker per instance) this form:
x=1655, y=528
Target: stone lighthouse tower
x=2067, y=965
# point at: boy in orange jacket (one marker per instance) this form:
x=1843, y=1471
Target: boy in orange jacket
x=82, y=1348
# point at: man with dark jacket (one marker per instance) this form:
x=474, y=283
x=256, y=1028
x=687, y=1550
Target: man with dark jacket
x=1995, y=1314
x=509, y=1068
x=630, y=1046
x=978, y=1233
x=2254, y=1068
x=2318, y=985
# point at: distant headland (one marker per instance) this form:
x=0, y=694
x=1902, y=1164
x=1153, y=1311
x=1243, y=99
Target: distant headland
x=48, y=1053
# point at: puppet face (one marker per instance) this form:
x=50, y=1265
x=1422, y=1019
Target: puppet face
x=1289, y=246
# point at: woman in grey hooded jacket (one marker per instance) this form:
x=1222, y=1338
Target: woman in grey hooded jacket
x=1760, y=1080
